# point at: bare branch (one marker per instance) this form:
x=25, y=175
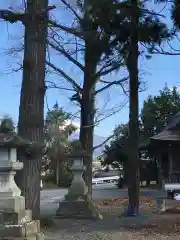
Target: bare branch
x=66, y=54
x=53, y=85
x=160, y=50
x=74, y=31
x=68, y=78
x=112, y=112
x=165, y=53
x=109, y=84
x=72, y=10
x=111, y=136
x=104, y=142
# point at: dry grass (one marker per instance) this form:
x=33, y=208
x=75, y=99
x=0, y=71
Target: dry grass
x=110, y=208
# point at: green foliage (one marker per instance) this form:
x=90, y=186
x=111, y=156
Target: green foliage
x=116, y=152
x=76, y=144
x=175, y=13
x=65, y=177
x=57, y=132
x=7, y=125
x=117, y=24
x=155, y=114
x=158, y=109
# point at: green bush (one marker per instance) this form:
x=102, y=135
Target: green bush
x=65, y=177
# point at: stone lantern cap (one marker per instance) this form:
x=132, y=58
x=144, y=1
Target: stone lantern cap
x=12, y=140
x=77, y=150
x=78, y=153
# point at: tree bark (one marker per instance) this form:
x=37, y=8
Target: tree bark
x=92, y=57
x=87, y=114
x=133, y=159
x=31, y=110
x=57, y=172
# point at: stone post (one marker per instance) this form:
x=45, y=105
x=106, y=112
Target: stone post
x=15, y=221
x=77, y=204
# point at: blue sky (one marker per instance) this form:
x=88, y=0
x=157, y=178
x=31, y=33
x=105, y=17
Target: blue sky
x=154, y=72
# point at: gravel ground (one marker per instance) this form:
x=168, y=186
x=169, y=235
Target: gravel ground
x=148, y=226
x=114, y=229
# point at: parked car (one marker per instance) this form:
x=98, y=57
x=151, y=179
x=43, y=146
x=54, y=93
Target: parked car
x=173, y=190
x=41, y=184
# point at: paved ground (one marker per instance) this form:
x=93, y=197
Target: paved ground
x=50, y=198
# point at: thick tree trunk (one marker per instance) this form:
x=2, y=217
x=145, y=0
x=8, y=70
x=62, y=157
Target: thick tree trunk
x=92, y=57
x=31, y=111
x=132, y=64
x=88, y=113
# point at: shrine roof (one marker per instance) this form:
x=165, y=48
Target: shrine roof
x=167, y=135
x=171, y=132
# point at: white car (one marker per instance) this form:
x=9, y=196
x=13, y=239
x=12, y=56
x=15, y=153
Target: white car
x=41, y=184
x=173, y=190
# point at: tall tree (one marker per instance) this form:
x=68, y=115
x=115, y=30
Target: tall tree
x=57, y=131
x=31, y=110
x=130, y=23
x=95, y=47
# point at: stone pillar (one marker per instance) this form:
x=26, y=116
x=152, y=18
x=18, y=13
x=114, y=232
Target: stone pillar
x=77, y=204
x=15, y=221
x=161, y=199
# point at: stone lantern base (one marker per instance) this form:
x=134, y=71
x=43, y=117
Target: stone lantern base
x=80, y=207
x=15, y=221
x=26, y=231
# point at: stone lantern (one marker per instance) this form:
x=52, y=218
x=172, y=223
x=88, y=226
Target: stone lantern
x=78, y=188
x=10, y=194
x=15, y=221
x=77, y=203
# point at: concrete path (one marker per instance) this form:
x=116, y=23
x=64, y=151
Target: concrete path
x=51, y=198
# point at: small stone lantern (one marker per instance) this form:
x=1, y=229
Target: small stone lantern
x=8, y=168
x=77, y=204
x=78, y=186
x=15, y=220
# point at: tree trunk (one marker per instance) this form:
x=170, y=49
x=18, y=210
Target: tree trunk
x=31, y=111
x=87, y=132
x=57, y=173
x=92, y=57
x=133, y=159
x=88, y=113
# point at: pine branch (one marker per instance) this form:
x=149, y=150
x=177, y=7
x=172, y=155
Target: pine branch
x=110, y=67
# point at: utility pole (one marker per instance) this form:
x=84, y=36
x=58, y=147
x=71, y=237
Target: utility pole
x=31, y=110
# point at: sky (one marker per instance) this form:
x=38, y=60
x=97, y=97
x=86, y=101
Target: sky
x=155, y=73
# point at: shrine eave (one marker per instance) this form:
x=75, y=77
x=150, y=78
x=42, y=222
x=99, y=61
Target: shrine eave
x=167, y=136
